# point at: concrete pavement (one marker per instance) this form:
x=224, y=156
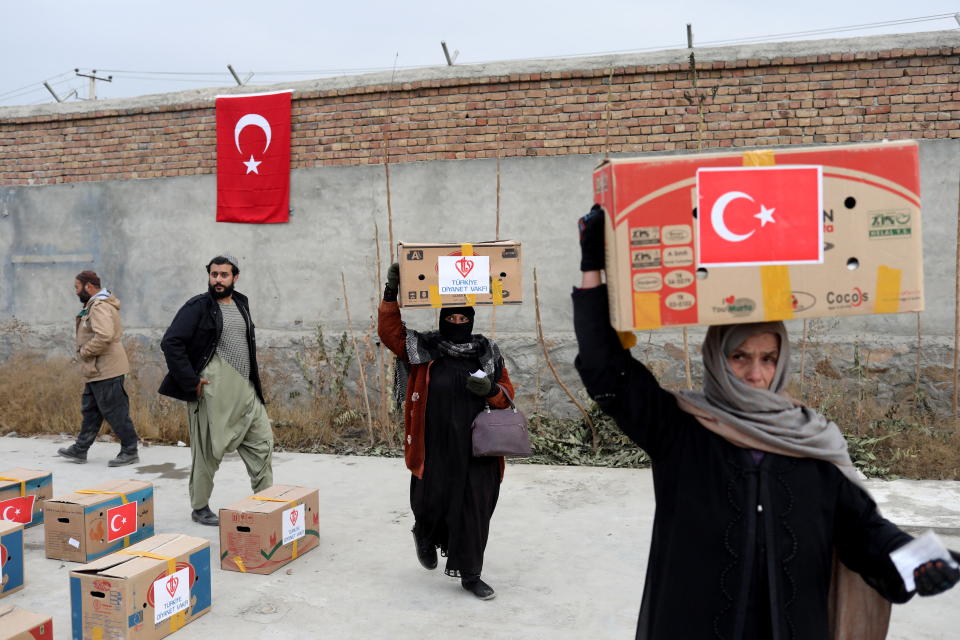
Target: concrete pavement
x=567, y=551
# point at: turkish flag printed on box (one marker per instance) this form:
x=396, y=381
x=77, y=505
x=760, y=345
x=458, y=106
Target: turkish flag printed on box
x=759, y=215
x=253, y=158
x=121, y=521
x=17, y=509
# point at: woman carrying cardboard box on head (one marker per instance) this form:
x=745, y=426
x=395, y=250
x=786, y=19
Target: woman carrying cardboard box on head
x=439, y=380
x=756, y=495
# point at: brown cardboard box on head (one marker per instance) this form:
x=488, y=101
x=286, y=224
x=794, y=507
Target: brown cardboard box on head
x=451, y=275
x=16, y=484
x=146, y=591
x=20, y=624
x=262, y=533
x=724, y=238
x=90, y=523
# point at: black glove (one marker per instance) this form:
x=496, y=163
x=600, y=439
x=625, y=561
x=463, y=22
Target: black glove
x=393, y=283
x=591, y=240
x=479, y=386
x=936, y=576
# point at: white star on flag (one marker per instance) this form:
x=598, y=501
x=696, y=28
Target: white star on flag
x=765, y=216
x=252, y=165
x=17, y=512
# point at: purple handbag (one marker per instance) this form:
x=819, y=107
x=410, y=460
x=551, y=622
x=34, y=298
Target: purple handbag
x=501, y=432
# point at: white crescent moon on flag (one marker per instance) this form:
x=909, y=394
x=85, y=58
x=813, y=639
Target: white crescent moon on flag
x=719, y=224
x=252, y=120
x=3, y=516
x=113, y=521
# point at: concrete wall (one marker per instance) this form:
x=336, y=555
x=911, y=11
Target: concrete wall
x=150, y=239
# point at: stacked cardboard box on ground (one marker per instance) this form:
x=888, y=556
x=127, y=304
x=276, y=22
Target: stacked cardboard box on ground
x=25, y=483
x=146, y=591
x=90, y=523
x=11, y=557
x=420, y=287
x=870, y=260
x=264, y=532
x=20, y=624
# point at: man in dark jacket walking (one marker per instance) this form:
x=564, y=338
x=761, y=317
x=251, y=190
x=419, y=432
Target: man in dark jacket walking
x=211, y=357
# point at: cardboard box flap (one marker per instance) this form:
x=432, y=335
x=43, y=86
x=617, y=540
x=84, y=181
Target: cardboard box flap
x=485, y=243
x=124, y=565
x=278, y=492
x=13, y=617
x=87, y=499
x=7, y=526
x=21, y=474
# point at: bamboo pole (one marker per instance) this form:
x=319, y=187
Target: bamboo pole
x=606, y=116
x=386, y=160
x=916, y=380
x=546, y=355
x=956, y=320
x=803, y=357
x=353, y=341
x=383, y=410
x=493, y=313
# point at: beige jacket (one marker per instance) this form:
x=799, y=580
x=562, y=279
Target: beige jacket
x=99, y=349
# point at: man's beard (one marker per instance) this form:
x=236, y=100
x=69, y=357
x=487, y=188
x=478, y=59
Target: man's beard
x=84, y=297
x=220, y=295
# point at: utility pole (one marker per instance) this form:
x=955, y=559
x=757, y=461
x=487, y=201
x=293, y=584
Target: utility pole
x=92, y=93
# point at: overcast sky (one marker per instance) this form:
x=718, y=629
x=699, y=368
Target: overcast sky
x=133, y=40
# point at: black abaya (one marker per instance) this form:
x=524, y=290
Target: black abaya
x=454, y=501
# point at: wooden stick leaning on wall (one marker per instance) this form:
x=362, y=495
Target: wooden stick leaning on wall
x=356, y=351
x=493, y=313
x=916, y=381
x=386, y=159
x=546, y=356
x=803, y=359
x=956, y=318
x=383, y=411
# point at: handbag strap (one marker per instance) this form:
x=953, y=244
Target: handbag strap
x=505, y=393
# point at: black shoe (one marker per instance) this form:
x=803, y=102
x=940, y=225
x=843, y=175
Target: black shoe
x=73, y=454
x=426, y=553
x=124, y=458
x=478, y=587
x=205, y=516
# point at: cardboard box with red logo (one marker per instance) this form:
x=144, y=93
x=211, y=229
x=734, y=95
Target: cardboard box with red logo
x=90, y=523
x=11, y=557
x=20, y=624
x=262, y=533
x=146, y=591
x=458, y=275
x=22, y=492
x=725, y=238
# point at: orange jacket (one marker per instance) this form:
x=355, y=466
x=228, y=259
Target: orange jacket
x=393, y=335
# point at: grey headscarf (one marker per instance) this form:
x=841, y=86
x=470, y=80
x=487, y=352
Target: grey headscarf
x=766, y=417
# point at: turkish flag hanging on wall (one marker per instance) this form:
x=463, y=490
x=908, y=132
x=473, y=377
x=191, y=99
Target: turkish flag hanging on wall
x=253, y=157
x=759, y=215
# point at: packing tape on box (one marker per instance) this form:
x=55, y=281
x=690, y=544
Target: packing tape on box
x=237, y=560
x=774, y=279
x=293, y=503
x=123, y=497
x=23, y=484
x=178, y=619
x=435, y=300
x=496, y=290
x=888, y=290
x=466, y=249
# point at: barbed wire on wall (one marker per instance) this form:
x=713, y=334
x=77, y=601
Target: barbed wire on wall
x=36, y=93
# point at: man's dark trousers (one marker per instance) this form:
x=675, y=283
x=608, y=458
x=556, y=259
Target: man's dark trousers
x=106, y=400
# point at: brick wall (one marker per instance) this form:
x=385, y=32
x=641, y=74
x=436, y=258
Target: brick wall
x=758, y=101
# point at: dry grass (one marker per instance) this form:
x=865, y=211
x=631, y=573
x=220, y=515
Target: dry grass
x=315, y=407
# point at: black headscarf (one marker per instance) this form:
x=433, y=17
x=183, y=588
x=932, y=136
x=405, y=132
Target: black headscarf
x=456, y=333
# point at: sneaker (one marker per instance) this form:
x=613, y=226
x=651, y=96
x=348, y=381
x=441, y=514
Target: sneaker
x=426, y=552
x=73, y=454
x=123, y=459
x=205, y=516
x=478, y=587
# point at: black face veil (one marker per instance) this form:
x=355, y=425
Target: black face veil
x=457, y=333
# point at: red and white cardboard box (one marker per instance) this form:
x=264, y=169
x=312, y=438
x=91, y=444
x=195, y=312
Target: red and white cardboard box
x=724, y=238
